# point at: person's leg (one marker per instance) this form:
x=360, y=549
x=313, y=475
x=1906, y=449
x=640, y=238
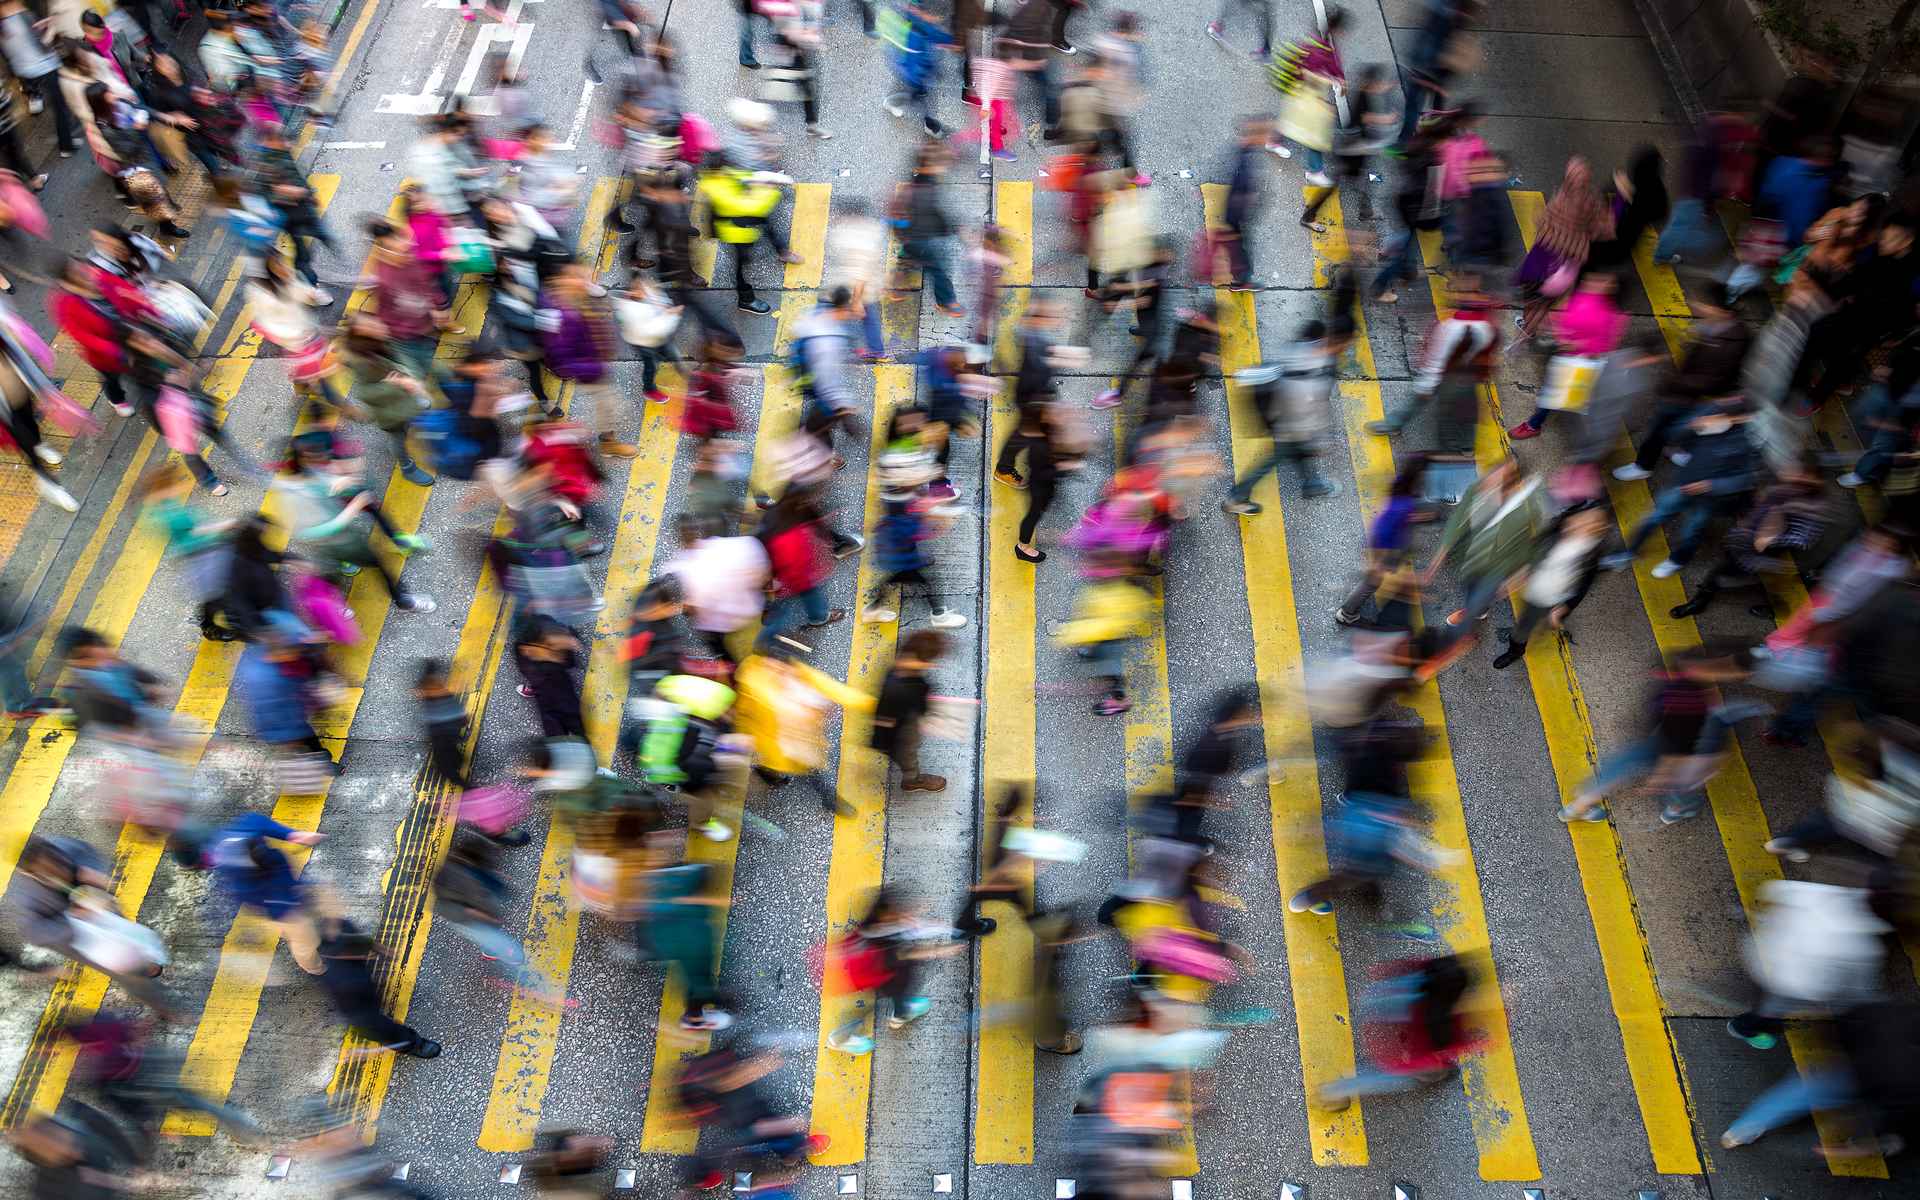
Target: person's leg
x=1009, y=456
x=1636, y=760
x=1370, y=579
x=303, y=940
x=742, y=290
x=1398, y=258
x=1686, y=213
x=1039, y=498
x=202, y=473
x=1316, y=161
x=746, y=39
x=65, y=127
x=649, y=366
x=448, y=759
x=1539, y=418
x=1671, y=504
x=873, y=335
x=1243, y=487
x=1693, y=530
x=1745, y=278
x=1787, y=1101
x=409, y=470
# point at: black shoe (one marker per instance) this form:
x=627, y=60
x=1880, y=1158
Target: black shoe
x=1763, y=611
x=616, y=225
x=426, y=1049
x=981, y=928
x=512, y=837
x=592, y=71
x=772, y=779
x=750, y=64
x=176, y=232
x=758, y=308
x=1508, y=657
x=1696, y=605
x=1038, y=556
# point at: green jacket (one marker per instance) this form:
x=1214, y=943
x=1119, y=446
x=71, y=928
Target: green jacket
x=392, y=406
x=1500, y=532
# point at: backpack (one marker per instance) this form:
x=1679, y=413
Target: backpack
x=450, y=448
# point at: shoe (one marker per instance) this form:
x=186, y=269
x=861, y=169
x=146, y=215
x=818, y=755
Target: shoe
x=412, y=473
x=1070, y=1043
x=466, y=14
x=42, y=706
x=1213, y=31
x=981, y=928
x=707, y=1022
x=415, y=602
x=1631, y=472
x=39, y=181
x=608, y=444
x=790, y=258
x=946, y=618
x=1671, y=260
x=620, y=225
x=1787, y=850
x=1805, y=409
x=1691, y=608
x=169, y=229
x=1759, y=1041
x=426, y=1049
x=1522, y=432
x=877, y=616
x=1666, y=568
x=1038, y=556
x=1508, y=657
x=326, y=297
x=838, y=614
x=1342, y=617
x=1006, y=155
x=52, y=491
x=820, y=131
x=932, y=129
x=1382, y=429
x=1300, y=904
x=750, y=64
x=70, y=152
x=35, y=105
x=1011, y=479
x=856, y=1046
x=893, y=108
x=853, y=545
x=1681, y=458
x=1066, y=47
x=1279, y=149
x=349, y=570
x=657, y=396
x=1387, y=297
x=1107, y=399
x=714, y=831
x=1617, y=562
x=1730, y=1142
x=1596, y=814
x=1240, y=508
x=47, y=454
x=757, y=307
x=1111, y=707
x=1458, y=617
x=924, y=783
x=906, y=1012
x=1143, y=180
x=951, y=310
x=840, y=808
x=1774, y=738
x=1852, y=479
x=1243, y=287
x=524, y=690
x=513, y=837
x=413, y=543
x=1318, y=179
x=1671, y=815
x=1318, y=488
x=218, y=489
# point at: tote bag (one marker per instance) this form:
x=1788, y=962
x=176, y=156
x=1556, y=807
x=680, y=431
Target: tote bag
x=1570, y=379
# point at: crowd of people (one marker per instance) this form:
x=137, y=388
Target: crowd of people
x=479, y=256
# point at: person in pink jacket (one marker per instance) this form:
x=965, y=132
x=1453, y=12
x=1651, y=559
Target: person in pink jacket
x=1589, y=325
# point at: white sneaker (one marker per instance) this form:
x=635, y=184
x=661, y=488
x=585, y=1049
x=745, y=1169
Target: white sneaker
x=877, y=616
x=47, y=454
x=417, y=602
x=57, y=494
x=947, y=619
x=819, y=131
x=1631, y=472
x=36, y=105
x=1318, y=179
x=893, y=108
x=714, y=831
x=1682, y=457
x=1852, y=479
x=1666, y=568
x=1281, y=150
x=323, y=296
x=125, y=410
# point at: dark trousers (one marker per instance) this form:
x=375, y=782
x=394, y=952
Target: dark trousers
x=1040, y=489
x=48, y=89
x=444, y=746
x=1669, y=423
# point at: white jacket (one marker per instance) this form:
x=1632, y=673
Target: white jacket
x=1817, y=943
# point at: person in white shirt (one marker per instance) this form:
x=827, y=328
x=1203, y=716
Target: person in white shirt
x=856, y=260
x=1559, y=579
x=722, y=581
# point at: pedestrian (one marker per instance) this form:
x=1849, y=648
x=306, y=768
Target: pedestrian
x=721, y=581
x=140, y=1079
x=1417, y=201
x=1573, y=220
x=257, y=875
x=902, y=704
x=81, y=1155
x=1793, y=192
x=856, y=260
x=1108, y=613
x=1290, y=394
x=348, y=981
x=384, y=391
x=1714, y=481
x=783, y=705
x=1688, y=722
x=740, y=208
x=1815, y=947
x=1026, y=35
x=677, y=923
x=1454, y=360
x=468, y=896
x=1389, y=535
x=443, y=168
x=1444, y=46
x=407, y=298
x=285, y=312
x=1789, y=517
x=37, y=68
x=188, y=127
x=1719, y=160
x=1216, y=28
x=1307, y=74
x=58, y=875
x=647, y=321
x=1876, y=306
x=328, y=499
x=1564, y=569
x=1719, y=344
x=579, y=348
x=1238, y=211
x=1639, y=204
x=879, y=954
x=1498, y=521
x=800, y=558
x=546, y=653
x=1414, y=1029
x=926, y=228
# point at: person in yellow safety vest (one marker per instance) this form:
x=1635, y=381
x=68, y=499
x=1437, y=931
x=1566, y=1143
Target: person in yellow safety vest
x=741, y=203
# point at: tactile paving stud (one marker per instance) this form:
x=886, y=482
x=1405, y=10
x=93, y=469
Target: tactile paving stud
x=1649, y=1196
x=743, y=1181
x=1405, y=1191
x=277, y=1166
x=401, y=1171
x=623, y=1179
x=1292, y=1191
x=942, y=1185
x=510, y=1173
x=1063, y=1189
x=849, y=1185
x=1532, y=1194
x=1183, y=1189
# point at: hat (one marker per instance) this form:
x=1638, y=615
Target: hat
x=749, y=114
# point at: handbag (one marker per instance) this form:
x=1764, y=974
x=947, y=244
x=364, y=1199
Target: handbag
x=496, y=808
x=855, y=965
x=71, y=419
x=1570, y=379
x=469, y=253
x=1184, y=953
x=27, y=213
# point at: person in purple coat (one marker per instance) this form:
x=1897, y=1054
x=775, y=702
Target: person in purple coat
x=578, y=338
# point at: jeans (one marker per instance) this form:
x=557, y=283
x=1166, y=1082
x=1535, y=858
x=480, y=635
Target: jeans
x=1049, y=90
x=1886, y=442
x=811, y=604
x=1745, y=278
x=1636, y=760
x=1399, y=259
x=746, y=37
x=1793, y=1098
x=15, y=692
x=933, y=265
x=1699, y=512
x=1539, y=417
x=1669, y=423
x=1679, y=231
x=416, y=356
x=1278, y=452
x=650, y=359
x=874, y=338
x=506, y=957
x=397, y=440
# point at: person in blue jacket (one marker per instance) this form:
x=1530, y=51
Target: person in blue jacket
x=1792, y=192
x=255, y=873
x=915, y=38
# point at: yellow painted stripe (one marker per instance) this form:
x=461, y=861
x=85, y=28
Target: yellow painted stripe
x=1500, y=1127
x=339, y=72
x=1321, y=1015
x=525, y=1064
x=1003, y=1116
x=1735, y=803
x=842, y=1083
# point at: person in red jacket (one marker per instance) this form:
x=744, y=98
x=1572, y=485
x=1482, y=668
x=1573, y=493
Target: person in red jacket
x=802, y=557
x=77, y=305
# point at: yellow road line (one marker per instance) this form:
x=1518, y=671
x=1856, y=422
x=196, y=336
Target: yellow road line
x=1321, y=1014
x=842, y=1082
x=1003, y=1117
x=1735, y=803
x=339, y=72
x=1500, y=1126
x=532, y=1029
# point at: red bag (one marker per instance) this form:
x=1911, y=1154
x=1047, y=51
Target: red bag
x=703, y=417
x=502, y=148
x=1205, y=258
x=855, y=965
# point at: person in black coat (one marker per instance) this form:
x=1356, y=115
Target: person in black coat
x=546, y=653
x=349, y=983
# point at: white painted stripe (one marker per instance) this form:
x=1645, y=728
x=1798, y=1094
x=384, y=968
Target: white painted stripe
x=353, y=145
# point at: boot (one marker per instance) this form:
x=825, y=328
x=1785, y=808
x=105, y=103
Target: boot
x=609, y=444
x=1698, y=604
